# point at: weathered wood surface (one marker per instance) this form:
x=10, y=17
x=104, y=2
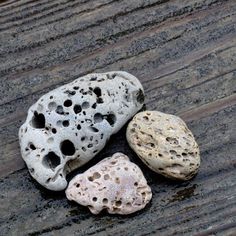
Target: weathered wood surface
x=183, y=51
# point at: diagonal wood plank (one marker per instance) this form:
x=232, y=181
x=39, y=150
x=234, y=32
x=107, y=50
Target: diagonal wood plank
x=183, y=51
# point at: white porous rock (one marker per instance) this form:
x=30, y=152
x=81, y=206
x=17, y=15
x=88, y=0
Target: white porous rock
x=114, y=184
x=165, y=144
x=68, y=126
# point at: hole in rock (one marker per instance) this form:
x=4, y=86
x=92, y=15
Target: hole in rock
x=83, y=138
x=88, y=120
x=140, y=96
x=93, y=78
x=96, y=175
x=97, y=91
x=152, y=145
x=117, y=180
x=172, y=140
x=104, y=200
x=106, y=177
x=70, y=93
x=94, y=106
x=38, y=120
x=67, y=148
x=100, y=100
x=68, y=103
x=98, y=117
x=132, y=130
x=78, y=127
x=173, y=152
x=93, y=129
x=85, y=105
x=60, y=110
x=52, y=106
x=65, y=123
x=51, y=160
x=118, y=203
x=50, y=140
x=54, y=130
x=176, y=165
x=59, y=123
x=32, y=147
x=94, y=199
x=111, y=119
x=112, y=76
x=77, y=109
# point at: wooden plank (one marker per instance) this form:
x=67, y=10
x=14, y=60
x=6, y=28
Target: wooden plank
x=183, y=51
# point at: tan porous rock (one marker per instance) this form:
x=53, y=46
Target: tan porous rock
x=69, y=125
x=165, y=144
x=114, y=184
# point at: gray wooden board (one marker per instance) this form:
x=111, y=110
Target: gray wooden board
x=183, y=52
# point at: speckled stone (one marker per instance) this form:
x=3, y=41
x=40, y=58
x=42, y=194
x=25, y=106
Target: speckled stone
x=165, y=144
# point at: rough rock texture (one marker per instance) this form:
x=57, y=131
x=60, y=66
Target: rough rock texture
x=165, y=144
x=68, y=126
x=114, y=184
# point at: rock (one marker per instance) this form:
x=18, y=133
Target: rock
x=114, y=184
x=68, y=126
x=165, y=144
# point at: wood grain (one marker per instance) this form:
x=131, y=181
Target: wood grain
x=183, y=52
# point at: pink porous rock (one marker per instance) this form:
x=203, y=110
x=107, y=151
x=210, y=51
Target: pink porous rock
x=115, y=184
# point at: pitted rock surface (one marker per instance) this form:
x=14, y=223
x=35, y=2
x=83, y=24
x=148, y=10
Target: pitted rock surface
x=114, y=184
x=68, y=126
x=165, y=144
